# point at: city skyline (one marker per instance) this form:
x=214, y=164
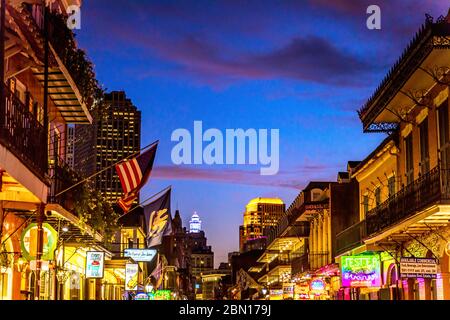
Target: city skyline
x=220, y=63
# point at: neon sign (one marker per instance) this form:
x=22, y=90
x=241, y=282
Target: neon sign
x=318, y=285
x=361, y=270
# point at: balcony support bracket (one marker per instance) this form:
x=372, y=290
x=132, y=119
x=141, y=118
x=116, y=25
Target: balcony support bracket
x=422, y=244
x=436, y=232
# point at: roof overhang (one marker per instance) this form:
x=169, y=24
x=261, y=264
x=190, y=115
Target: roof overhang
x=275, y=274
x=410, y=79
x=284, y=244
x=431, y=219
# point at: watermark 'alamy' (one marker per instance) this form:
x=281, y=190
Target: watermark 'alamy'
x=74, y=17
x=235, y=147
x=373, y=22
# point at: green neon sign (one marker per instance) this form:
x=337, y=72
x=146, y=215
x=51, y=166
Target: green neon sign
x=28, y=242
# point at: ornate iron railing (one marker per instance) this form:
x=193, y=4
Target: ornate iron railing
x=300, y=264
x=22, y=133
x=62, y=177
x=430, y=188
x=351, y=237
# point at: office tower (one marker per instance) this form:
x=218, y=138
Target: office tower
x=260, y=214
x=114, y=136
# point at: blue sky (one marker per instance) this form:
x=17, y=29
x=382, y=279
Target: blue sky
x=303, y=67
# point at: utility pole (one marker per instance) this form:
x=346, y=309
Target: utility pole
x=39, y=249
x=41, y=210
x=2, y=66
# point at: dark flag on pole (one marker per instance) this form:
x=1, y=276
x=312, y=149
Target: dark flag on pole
x=159, y=219
x=134, y=174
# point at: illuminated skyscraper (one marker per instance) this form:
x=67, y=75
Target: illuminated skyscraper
x=115, y=135
x=260, y=214
x=195, y=224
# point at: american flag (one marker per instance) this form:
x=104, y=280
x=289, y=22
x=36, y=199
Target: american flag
x=133, y=175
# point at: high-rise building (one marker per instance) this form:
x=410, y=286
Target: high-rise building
x=114, y=136
x=202, y=256
x=195, y=224
x=260, y=214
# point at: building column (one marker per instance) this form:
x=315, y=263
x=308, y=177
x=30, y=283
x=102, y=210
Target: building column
x=446, y=285
x=320, y=238
x=325, y=231
x=427, y=287
x=312, y=244
x=410, y=289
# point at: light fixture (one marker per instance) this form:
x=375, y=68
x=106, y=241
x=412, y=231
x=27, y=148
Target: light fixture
x=65, y=228
x=21, y=264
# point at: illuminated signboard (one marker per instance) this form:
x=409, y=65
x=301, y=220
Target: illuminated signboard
x=162, y=295
x=29, y=240
x=288, y=290
x=140, y=255
x=418, y=268
x=317, y=286
x=361, y=270
x=141, y=296
x=95, y=262
x=276, y=294
x=131, y=276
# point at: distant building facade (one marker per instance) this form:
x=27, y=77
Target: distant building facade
x=115, y=135
x=260, y=214
x=195, y=224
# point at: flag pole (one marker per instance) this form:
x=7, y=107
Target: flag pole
x=148, y=199
x=107, y=168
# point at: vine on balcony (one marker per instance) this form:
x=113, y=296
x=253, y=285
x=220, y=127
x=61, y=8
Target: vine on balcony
x=75, y=59
x=89, y=206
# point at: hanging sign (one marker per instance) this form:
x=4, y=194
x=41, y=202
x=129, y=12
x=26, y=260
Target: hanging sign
x=418, y=268
x=140, y=255
x=95, y=262
x=131, y=276
x=29, y=238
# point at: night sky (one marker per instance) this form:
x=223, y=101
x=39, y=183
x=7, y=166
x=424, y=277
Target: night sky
x=303, y=67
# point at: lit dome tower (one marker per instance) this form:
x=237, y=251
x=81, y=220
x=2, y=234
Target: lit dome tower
x=195, y=224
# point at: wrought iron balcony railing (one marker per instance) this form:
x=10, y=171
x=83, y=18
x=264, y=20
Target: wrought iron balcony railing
x=62, y=177
x=22, y=133
x=429, y=189
x=300, y=264
x=351, y=237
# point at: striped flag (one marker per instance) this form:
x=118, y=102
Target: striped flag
x=133, y=175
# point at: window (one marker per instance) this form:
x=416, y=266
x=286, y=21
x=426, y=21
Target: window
x=366, y=204
x=424, y=147
x=391, y=186
x=378, y=196
x=409, y=159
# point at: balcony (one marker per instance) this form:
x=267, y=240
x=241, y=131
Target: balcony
x=23, y=134
x=62, y=177
x=71, y=80
x=351, y=237
x=300, y=264
x=431, y=188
